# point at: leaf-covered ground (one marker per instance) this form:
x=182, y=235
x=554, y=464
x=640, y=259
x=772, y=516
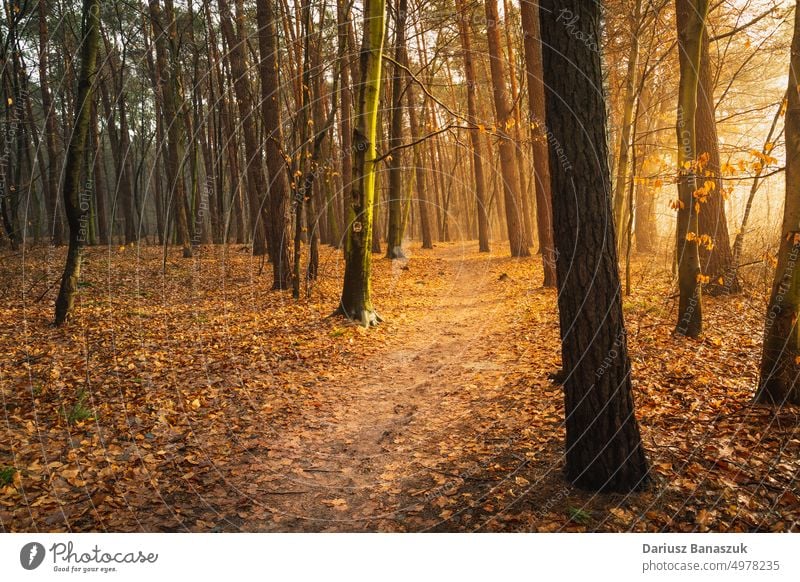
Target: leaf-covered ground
x=198, y=400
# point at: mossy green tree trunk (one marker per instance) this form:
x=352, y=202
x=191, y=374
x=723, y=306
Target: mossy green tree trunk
x=690, y=17
x=779, y=383
x=76, y=201
x=356, y=301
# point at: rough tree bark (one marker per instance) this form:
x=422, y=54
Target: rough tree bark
x=603, y=449
x=779, y=383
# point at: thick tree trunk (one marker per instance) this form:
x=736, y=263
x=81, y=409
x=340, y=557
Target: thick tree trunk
x=536, y=112
x=603, y=450
x=475, y=138
x=691, y=15
x=74, y=201
x=356, y=300
x=779, y=383
x=504, y=118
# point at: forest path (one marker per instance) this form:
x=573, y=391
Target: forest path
x=365, y=459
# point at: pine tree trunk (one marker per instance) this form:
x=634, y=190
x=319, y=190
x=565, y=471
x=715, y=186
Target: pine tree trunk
x=474, y=136
x=603, y=449
x=504, y=118
x=536, y=112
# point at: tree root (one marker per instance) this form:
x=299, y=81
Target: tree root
x=366, y=317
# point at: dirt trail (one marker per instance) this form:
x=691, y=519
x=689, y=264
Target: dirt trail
x=361, y=461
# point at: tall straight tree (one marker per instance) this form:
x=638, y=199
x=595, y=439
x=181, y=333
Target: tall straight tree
x=504, y=115
x=271, y=114
x=779, y=383
x=621, y=186
x=536, y=112
x=356, y=300
x=77, y=213
x=715, y=262
x=690, y=19
x=167, y=78
x=254, y=174
x=419, y=170
x=475, y=138
x=53, y=209
x=603, y=450
x=394, y=240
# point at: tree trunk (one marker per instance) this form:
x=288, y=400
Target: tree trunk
x=779, y=383
x=254, y=176
x=504, y=116
x=603, y=449
x=419, y=169
x=690, y=17
x=474, y=136
x=168, y=79
x=394, y=240
x=541, y=165
x=271, y=113
x=345, y=102
x=716, y=263
x=628, y=103
x=356, y=300
x=53, y=208
x=74, y=201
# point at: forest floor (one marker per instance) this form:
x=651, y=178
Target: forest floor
x=198, y=400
